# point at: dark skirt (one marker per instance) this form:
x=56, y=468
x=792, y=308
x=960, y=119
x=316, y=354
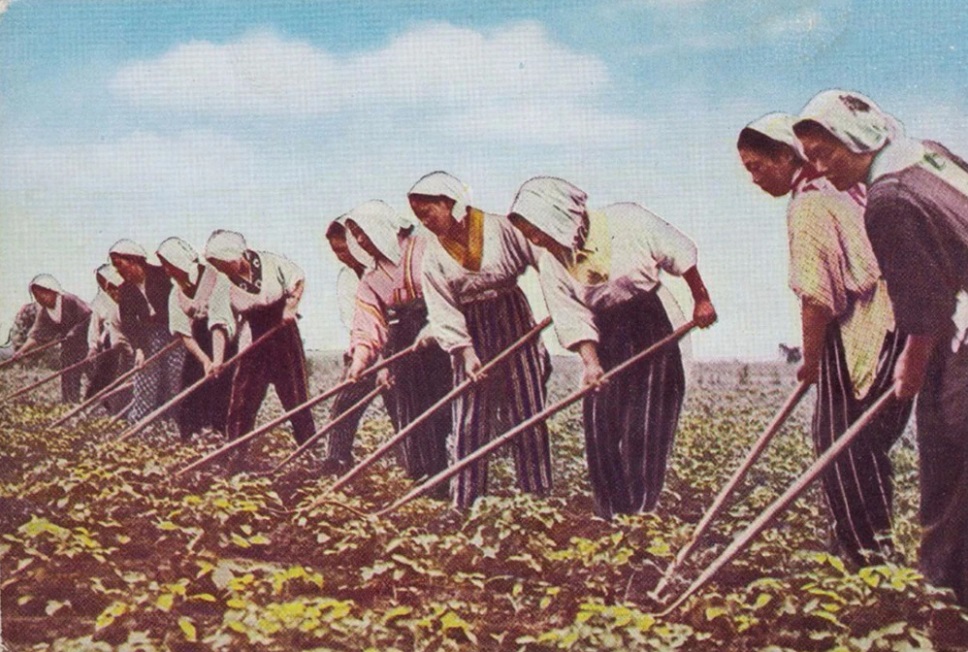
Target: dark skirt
x=208, y=405
x=420, y=380
x=630, y=423
x=510, y=394
x=859, y=486
x=106, y=369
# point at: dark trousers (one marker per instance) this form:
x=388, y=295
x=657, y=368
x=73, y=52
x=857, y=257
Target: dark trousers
x=942, y=424
x=73, y=350
x=339, y=446
x=630, y=423
x=279, y=361
x=208, y=405
x=420, y=380
x=859, y=486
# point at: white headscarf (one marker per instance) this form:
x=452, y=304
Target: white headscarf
x=227, y=246
x=125, y=247
x=381, y=224
x=442, y=184
x=109, y=274
x=356, y=251
x=853, y=119
x=779, y=127
x=48, y=282
x=181, y=255
x=553, y=206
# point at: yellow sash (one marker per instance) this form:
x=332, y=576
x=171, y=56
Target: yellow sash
x=469, y=255
x=593, y=262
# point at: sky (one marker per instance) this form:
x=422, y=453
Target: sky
x=147, y=119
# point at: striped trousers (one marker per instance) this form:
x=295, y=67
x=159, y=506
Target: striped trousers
x=510, y=393
x=420, y=380
x=859, y=486
x=630, y=423
x=942, y=419
x=159, y=381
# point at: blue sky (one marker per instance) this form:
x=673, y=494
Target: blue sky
x=149, y=119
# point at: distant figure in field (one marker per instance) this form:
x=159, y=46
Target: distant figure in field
x=60, y=315
x=793, y=354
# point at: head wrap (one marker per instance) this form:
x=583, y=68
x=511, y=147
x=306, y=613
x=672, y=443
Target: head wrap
x=47, y=282
x=380, y=223
x=356, y=251
x=227, y=246
x=125, y=247
x=442, y=184
x=181, y=255
x=553, y=206
x=853, y=119
x=109, y=274
x=779, y=127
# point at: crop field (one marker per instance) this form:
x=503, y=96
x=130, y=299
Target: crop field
x=102, y=549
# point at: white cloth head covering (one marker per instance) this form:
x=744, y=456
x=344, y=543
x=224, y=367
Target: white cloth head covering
x=779, y=127
x=181, y=255
x=48, y=282
x=853, y=119
x=356, y=251
x=109, y=274
x=554, y=206
x=381, y=224
x=443, y=184
x=125, y=247
x=225, y=245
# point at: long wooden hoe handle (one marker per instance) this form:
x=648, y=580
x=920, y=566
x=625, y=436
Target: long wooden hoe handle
x=182, y=395
x=306, y=445
x=770, y=513
x=31, y=352
x=252, y=434
x=56, y=374
x=732, y=484
x=433, y=409
x=494, y=444
x=116, y=383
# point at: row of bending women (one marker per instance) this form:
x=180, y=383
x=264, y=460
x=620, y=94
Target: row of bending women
x=456, y=292
x=216, y=306
x=878, y=233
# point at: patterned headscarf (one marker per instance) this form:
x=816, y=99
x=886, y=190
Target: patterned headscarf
x=443, y=184
x=555, y=207
x=853, y=119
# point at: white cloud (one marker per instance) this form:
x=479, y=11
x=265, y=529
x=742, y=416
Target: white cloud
x=264, y=74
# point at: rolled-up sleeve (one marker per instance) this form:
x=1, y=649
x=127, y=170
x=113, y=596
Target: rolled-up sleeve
x=573, y=320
